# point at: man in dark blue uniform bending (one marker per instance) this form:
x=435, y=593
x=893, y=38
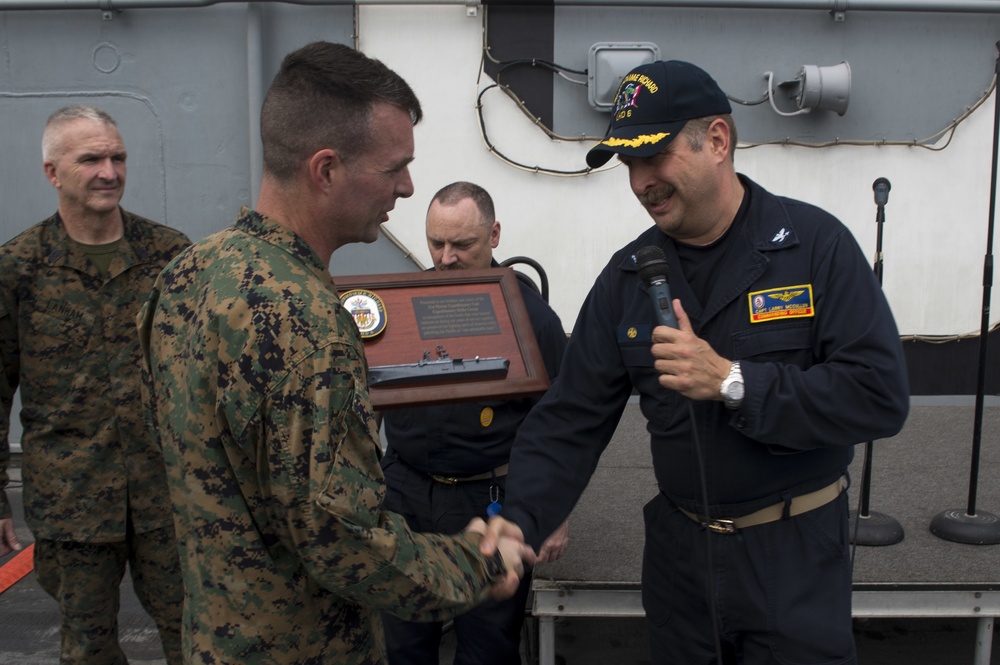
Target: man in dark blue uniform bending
x=445, y=465
x=785, y=356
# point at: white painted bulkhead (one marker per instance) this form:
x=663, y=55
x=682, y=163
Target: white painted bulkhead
x=183, y=83
x=934, y=237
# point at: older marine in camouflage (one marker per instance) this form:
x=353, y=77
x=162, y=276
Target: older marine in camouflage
x=273, y=462
x=67, y=337
x=92, y=473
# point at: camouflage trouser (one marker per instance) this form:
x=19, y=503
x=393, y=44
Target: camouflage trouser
x=84, y=578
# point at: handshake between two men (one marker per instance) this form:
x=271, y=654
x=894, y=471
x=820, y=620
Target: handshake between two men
x=505, y=538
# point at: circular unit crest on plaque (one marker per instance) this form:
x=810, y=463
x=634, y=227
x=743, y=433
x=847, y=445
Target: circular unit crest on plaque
x=367, y=309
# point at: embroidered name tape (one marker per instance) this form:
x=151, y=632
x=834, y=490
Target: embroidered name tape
x=786, y=302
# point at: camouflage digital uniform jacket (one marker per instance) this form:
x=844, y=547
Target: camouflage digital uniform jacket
x=68, y=339
x=258, y=381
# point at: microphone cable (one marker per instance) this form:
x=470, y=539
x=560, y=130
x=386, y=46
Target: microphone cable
x=857, y=514
x=651, y=264
x=710, y=588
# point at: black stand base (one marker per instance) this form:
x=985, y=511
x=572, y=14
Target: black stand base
x=875, y=529
x=960, y=527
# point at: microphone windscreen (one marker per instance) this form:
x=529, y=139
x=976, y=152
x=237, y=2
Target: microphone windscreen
x=881, y=186
x=651, y=263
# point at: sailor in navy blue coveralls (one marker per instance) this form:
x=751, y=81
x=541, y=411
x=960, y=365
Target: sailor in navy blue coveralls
x=445, y=465
x=779, y=286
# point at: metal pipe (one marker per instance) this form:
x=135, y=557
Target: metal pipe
x=836, y=6
x=255, y=96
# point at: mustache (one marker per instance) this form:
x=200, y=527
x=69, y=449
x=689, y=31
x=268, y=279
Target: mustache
x=656, y=195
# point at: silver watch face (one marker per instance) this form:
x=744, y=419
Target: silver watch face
x=734, y=391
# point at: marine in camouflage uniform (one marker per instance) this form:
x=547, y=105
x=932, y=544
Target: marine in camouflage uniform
x=259, y=386
x=272, y=455
x=95, y=493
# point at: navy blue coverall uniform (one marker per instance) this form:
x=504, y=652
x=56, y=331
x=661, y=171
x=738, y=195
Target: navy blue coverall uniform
x=797, y=304
x=470, y=439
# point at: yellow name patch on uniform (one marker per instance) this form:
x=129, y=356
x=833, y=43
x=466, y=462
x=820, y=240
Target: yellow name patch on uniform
x=786, y=302
x=486, y=417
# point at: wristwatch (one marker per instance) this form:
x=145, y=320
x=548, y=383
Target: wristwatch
x=732, y=387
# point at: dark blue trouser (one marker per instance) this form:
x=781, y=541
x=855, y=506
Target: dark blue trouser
x=782, y=590
x=490, y=634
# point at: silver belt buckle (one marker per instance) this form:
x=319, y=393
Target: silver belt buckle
x=721, y=526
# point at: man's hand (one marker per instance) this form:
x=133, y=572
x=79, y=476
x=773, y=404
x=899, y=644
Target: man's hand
x=555, y=545
x=516, y=555
x=686, y=363
x=497, y=528
x=8, y=538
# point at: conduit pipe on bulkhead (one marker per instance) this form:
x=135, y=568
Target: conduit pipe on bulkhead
x=255, y=96
x=832, y=6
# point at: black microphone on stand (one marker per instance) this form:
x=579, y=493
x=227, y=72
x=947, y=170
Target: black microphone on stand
x=969, y=525
x=653, y=269
x=881, y=187
x=869, y=528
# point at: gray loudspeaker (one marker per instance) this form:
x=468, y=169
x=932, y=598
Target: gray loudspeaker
x=824, y=87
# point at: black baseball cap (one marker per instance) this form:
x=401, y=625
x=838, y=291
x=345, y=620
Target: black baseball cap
x=653, y=104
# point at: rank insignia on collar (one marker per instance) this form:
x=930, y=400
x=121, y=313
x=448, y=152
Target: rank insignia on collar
x=781, y=236
x=786, y=302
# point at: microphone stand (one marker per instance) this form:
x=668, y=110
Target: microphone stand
x=868, y=528
x=967, y=526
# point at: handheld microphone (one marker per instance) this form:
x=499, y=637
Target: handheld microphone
x=881, y=187
x=652, y=265
x=653, y=269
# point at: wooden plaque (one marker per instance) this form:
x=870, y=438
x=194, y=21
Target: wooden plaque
x=469, y=314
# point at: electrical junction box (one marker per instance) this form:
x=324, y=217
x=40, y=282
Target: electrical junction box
x=607, y=65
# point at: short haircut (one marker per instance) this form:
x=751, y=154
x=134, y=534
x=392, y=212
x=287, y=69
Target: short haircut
x=452, y=194
x=695, y=130
x=322, y=98
x=51, y=144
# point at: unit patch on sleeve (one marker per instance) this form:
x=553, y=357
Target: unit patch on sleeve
x=786, y=302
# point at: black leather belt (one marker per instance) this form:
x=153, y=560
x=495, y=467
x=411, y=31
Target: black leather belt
x=454, y=480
